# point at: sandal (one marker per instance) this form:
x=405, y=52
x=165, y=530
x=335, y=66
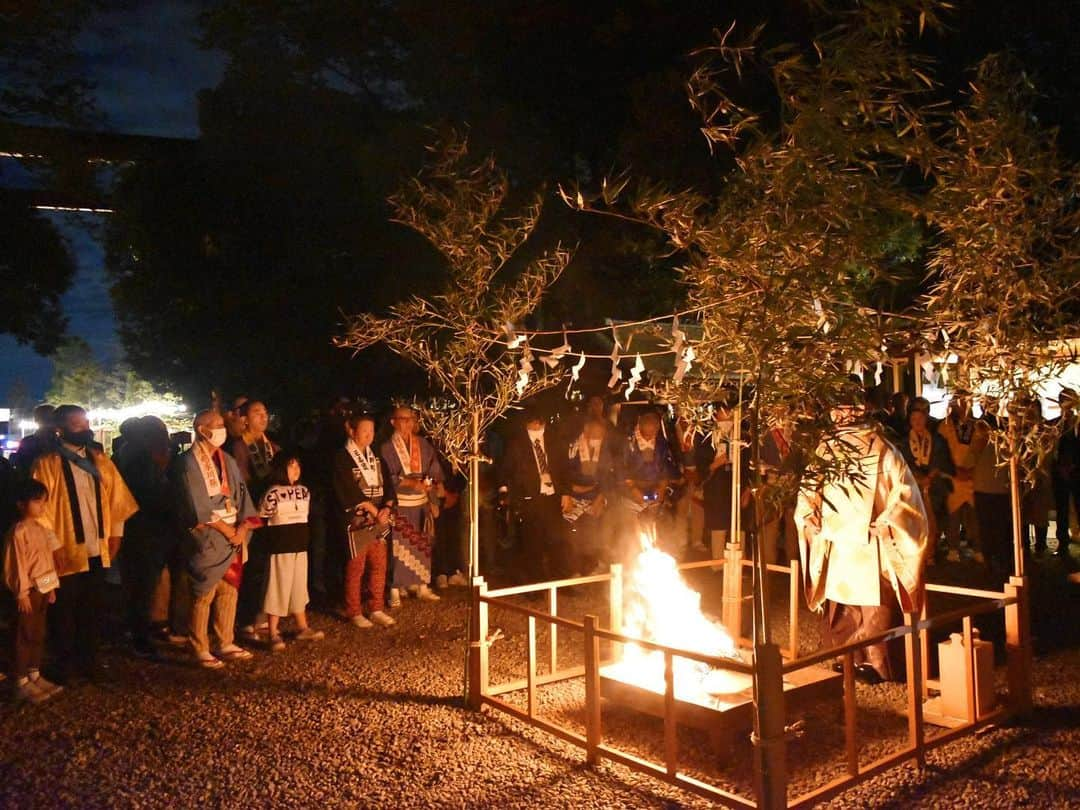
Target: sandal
x=210, y=663
x=277, y=643
x=235, y=653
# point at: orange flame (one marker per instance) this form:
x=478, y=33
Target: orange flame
x=662, y=608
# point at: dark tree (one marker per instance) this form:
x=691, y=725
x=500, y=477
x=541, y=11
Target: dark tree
x=35, y=270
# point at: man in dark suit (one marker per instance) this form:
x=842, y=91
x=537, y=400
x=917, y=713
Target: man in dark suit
x=533, y=482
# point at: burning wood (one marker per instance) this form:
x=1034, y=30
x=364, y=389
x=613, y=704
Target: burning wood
x=661, y=607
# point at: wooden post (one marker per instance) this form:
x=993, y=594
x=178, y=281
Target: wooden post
x=530, y=676
x=1018, y=645
x=615, y=600
x=477, y=672
x=671, y=734
x=851, y=728
x=770, y=766
x=553, y=605
x=915, y=679
x=593, y=731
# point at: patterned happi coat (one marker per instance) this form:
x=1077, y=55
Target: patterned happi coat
x=872, y=530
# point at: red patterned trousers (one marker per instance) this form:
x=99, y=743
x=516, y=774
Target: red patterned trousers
x=373, y=561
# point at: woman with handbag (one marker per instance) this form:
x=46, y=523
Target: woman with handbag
x=365, y=493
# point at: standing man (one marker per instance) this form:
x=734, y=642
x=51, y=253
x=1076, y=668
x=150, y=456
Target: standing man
x=644, y=466
x=86, y=507
x=214, y=504
x=416, y=477
x=533, y=485
x=863, y=541
x=928, y=456
x=253, y=452
x=364, y=498
x=958, y=431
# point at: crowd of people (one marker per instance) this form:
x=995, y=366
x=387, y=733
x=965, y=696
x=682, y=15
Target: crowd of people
x=224, y=536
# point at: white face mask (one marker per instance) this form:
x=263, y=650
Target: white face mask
x=217, y=436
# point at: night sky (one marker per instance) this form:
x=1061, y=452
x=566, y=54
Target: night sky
x=147, y=69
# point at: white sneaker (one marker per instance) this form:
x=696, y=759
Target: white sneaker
x=381, y=619
x=395, y=598
x=457, y=580
x=46, y=686
x=425, y=594
x=360, y=621
x=440, y=582
x=26, y=691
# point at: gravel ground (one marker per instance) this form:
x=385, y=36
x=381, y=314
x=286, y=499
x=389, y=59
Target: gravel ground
x=373, y=718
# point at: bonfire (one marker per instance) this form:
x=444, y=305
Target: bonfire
x=661, y=607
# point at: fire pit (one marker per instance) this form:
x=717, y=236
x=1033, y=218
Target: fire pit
x=724, y=716
x=660, y=607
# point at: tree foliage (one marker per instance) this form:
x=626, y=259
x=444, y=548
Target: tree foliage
x=457, y=337
x=784, y=257
x=1006, y=255
x=36, y=269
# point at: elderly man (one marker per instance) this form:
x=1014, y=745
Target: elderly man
x=863, y=541
x=416, y=476
x=214, y=505
x=86, y=507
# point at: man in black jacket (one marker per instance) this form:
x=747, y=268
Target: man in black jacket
x=533, y=482
x=364, y=490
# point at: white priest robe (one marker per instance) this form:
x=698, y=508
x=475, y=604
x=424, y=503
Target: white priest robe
x=871, y=531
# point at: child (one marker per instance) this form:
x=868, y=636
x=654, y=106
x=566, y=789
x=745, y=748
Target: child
x=285, y=509
x=30, y=573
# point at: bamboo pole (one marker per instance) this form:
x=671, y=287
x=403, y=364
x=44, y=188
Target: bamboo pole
x=793, y=610
x=969, y=671
x=474, y=498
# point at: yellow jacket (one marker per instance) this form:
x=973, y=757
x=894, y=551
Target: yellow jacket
x=117, y=505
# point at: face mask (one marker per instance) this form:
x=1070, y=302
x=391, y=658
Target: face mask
x=80, y=438
x=217, y=436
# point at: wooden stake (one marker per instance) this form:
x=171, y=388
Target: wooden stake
x=851, y=729
x=1018, y=645
x=915, y=678
x=553, y=605
x=770, y=767
x=671, y=735
x=531, y=674
x=477, y=670
x=593, y=731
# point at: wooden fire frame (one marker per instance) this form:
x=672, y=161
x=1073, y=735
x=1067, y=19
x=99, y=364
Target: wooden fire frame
x=915, y=631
